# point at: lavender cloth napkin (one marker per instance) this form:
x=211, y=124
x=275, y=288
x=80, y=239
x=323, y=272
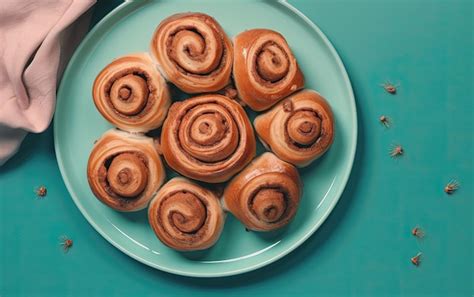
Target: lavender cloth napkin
x=37, y=37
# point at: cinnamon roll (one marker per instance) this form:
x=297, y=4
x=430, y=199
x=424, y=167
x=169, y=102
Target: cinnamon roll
x=265, y=69
x=265, y=195
x=193, y=52
x=125, y=170
x=207, y=138
x=299, y=129
x=186, y=216
x=131, y=93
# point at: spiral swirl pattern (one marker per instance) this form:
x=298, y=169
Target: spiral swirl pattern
x=193, y=52
x=265, y=69
x=131, y=94
x=208, y=138
x=124, y=170
x=186, y=216
x=265, y=195
x=298, y=130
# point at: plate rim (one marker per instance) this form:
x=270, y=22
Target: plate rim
x=292, y=247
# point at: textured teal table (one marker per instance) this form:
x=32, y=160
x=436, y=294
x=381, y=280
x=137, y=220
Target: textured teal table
x=365, y=246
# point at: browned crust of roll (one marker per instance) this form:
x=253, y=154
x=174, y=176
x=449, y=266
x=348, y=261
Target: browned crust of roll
x=193, y=208
x=265, y=173
x=115, y=143
x=156, y=102
x=256, y=91
x=210, y=170
x=274, y=131
x=211, y=80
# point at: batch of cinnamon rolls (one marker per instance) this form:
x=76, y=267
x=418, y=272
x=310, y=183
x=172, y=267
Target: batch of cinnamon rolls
x=207, y=139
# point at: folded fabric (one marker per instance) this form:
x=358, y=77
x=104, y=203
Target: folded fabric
x=36, y=39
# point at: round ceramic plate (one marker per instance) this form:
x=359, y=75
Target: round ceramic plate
x=77, y=124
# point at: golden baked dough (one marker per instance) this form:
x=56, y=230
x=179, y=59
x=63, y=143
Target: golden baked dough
x=131, y=94
x=299, y=129
x=193, y=52
x=125, y=170
x=265, y=195
x=208, y=138
x=185, y=216
x=265, y=69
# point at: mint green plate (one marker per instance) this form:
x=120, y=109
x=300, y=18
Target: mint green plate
x=77, y=124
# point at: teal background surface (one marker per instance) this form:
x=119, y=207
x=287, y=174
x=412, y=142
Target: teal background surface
x=364, y=247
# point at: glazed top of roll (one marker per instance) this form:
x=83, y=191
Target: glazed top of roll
x=193, y=52
x=299, y=129
x=186, y=216
x=208, y=138
x=265, y=195
x=131, y=94
x=125, y=170
x=265, y=69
